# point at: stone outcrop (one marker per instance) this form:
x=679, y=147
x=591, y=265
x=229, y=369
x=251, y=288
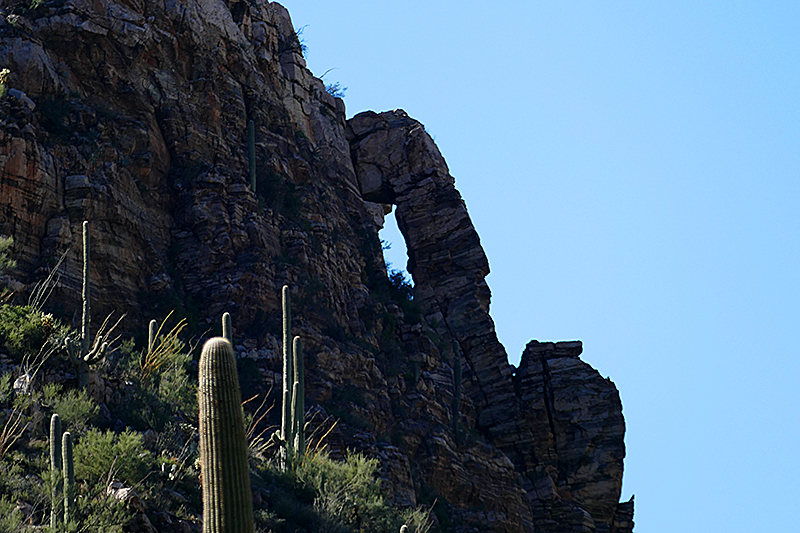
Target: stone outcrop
x=558, y=421
x=132, y=114
x=575, y=416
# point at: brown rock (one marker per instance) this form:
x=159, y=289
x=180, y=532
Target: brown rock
x=134, y=117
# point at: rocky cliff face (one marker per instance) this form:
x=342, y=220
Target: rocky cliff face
x=133, y=115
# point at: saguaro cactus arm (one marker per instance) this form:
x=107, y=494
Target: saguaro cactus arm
x=227, y=327
x=152, y=332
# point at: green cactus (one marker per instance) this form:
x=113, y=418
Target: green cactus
x=82, y=352
x=227, y=503
x=227, y=327
x=251, y=152
x=298, y=401
x=152, y=333
x=69, y=477
x=55, y=470
x=288, y=377
x=457, y=378
x=291, y=435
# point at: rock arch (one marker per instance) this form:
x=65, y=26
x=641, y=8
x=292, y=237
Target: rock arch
x=397, y=162
x=557, y=414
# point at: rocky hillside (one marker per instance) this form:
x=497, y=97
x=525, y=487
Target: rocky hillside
x=134, y=115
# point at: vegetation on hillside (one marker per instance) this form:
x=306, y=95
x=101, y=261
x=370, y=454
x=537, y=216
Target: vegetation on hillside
x=134, y=424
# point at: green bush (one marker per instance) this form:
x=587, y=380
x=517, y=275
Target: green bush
x=348, y=493
x=103, y=455
x=12, y=519
x=22, y=330
x=98, y=511
x=177, y=389
x=17, y=484
x=328, y=496
x=76, y=409
x=160, y=392
x=6, y=262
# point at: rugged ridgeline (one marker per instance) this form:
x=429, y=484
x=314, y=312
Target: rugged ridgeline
x=134, y=115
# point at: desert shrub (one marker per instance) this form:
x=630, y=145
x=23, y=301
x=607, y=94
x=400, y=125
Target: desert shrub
x=176, y=387
x=6, y=262
x=18, y=485
x=326, y=496
x=12, y=518
x=76, y=409
x=336, y=89
x=178, y=449
x=164, y=385
x=348, y=494
x=100, y=455
x=97, y=511
x=22, y=330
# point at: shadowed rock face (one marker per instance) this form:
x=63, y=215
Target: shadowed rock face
x=133, y=115
x=575, y=416
x=557, y=419
x=396, y=161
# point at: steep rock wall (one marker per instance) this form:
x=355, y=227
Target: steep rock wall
x=133, y=114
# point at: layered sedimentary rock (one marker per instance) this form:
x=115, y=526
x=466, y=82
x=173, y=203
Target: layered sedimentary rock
x=559, y=422
x=397, y=162
x=576, y=419
x=133, y=115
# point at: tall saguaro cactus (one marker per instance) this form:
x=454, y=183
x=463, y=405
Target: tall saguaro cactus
x=69, y=477
x=81, y=351
x=227, y=503
x=288, y=374
x=293, y=393
x=55, y=470
x=298, y=400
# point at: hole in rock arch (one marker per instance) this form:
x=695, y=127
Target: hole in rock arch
x=395, y=253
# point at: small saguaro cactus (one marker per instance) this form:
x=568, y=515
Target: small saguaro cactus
x=298, y=400
x=55, y=470
x=227, y=327
x=251, y=152
x=69, y=477
x=82, y=352
x=288, y=375
x=227, y=503
x=291, y=435
x=152, y=333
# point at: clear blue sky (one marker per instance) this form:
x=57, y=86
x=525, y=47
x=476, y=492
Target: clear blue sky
x=633, y=170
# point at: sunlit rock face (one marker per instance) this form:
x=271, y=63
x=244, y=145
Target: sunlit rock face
x=133, y=115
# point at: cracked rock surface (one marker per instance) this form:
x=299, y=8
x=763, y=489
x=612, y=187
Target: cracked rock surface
x=133, y=114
